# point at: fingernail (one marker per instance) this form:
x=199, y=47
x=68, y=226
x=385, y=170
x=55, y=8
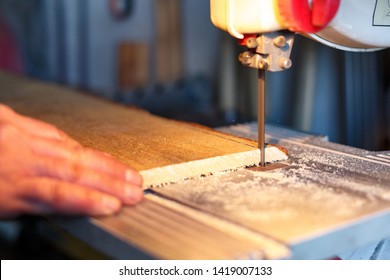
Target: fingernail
x=134, y=193
x=133, y=177
x=111, y=205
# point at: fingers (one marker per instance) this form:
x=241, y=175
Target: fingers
x=55, y=143
x=51, y=173
x=45, y=130
x=5, y=111
x=88, y=168
x=33, y=126
x=77, y=157
x=75, y=173
x=47, y=196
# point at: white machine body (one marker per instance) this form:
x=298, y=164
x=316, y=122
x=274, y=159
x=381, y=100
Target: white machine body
x=239, y=17
x=357, y=25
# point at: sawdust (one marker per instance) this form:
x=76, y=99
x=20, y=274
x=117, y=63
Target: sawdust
x=317, y=190
x=174, y=173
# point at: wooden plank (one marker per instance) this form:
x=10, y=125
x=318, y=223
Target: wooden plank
x=169, y=41
x=133, y=65
x=176, y=55
x=131, y=135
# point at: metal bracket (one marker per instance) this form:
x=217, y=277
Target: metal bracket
x=269, y=51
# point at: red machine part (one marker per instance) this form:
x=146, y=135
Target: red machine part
x=242, y=42
x=299, y=16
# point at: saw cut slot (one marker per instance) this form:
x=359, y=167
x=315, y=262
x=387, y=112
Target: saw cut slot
x=268, y=167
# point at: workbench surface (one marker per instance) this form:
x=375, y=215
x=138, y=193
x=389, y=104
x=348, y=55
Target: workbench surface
x=324, y=200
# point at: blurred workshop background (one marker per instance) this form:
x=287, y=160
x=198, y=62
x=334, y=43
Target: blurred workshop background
x=167, y=57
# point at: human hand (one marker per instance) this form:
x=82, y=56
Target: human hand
x=44, y=171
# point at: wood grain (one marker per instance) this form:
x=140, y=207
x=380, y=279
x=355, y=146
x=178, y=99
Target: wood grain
x=133, y=65
x=169, y=46
x=131, y=135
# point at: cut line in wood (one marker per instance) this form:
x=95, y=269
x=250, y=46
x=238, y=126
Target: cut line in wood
x=157, y=177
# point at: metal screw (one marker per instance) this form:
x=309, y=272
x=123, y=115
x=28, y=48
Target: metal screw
x=280, y=41
x=251, y=43
x=245, y=58
x=285, y=63
x=263, y=64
